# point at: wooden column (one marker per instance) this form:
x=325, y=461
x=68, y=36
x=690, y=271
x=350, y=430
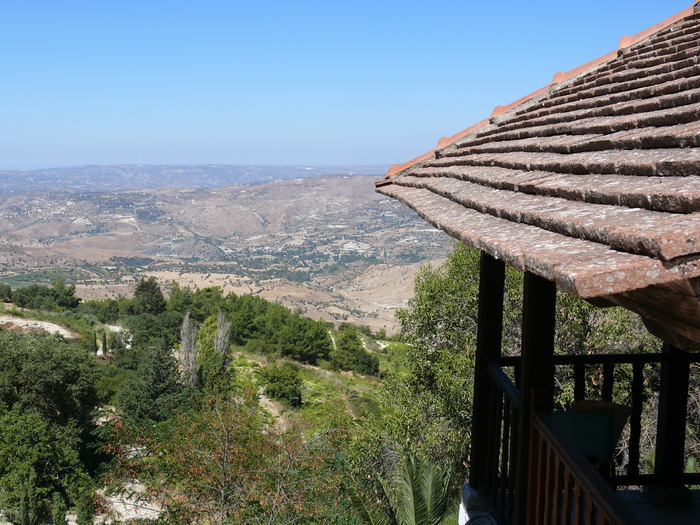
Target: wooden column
x=537, y=376
x=488, y=348
x=670, y=433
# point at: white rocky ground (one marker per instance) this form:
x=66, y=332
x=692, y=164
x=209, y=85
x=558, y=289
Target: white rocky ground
x=11, y=322
x=120, y=509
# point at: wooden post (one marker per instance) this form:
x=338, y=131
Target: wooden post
x=488, y=348
x=537, y=377
x=670, y=434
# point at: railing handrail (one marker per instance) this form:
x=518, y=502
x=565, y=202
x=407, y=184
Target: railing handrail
x=504, y=383
x=601, y=359
x=583, y=472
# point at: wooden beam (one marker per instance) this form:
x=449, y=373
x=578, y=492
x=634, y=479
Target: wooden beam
x=488, y=348
x=670, y=435
x=670, y=311
x=537, y=376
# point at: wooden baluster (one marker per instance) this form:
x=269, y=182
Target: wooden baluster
x=579, y=381
x=608, y=381
x=505, y=455
x=578, y=504
x=636, y=417
x=567, y=505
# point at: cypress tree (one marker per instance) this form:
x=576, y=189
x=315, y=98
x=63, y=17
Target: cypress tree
x=28, y=501
x=58, y=509
x=85, y=510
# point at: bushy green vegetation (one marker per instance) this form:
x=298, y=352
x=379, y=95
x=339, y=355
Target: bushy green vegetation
x=158, y=396
x=349, y=352
x=352, y=415
x=48, y=389
x=282, y=382
x=56, y=298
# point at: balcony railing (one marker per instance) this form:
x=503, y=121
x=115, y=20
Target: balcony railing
x=563, y=487
x=499, y=486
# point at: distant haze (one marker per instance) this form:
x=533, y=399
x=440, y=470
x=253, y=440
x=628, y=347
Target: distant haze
x=276, y=82
x=139, y=176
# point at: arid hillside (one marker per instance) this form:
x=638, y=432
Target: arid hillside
x=329, y=245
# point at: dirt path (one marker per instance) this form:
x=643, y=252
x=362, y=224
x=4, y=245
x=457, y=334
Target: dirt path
x=276, y=409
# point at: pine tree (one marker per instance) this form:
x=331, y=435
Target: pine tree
x=28, y=504
x=85, y=510
x=148, y=297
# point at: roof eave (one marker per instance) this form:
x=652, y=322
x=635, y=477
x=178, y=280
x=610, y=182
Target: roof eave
x=560, y=77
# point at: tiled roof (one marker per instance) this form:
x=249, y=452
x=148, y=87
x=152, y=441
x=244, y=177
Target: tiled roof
x=593, y=181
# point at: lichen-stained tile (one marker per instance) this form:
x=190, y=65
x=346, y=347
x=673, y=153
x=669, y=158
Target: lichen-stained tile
x=592, y=181
x=633, y=230
x=582, y=267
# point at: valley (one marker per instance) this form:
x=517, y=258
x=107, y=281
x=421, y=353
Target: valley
x=328, y=245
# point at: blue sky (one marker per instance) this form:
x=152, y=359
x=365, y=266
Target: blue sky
x=279, y=82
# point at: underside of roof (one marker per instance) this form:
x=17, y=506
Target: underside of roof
x=592, y=182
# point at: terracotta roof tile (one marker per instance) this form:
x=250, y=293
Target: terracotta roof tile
x=585, y=268
x=593, y=181
x=635, y=230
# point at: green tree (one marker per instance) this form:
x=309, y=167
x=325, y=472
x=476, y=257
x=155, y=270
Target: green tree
x=64, y=296
x=153, y=392
x=29, y=505
x=212, y=456
x=56, y=298
x=105, y=310
x=58, y=509
x=443, y=311
x=349, y=353
x=213, y=343
x=179, y=298
x=39, y=458
x=48, y=374
x=85, y=508
x=282, y=382
x=148, y=330
x=222, y=463
x=249, y=316
x=5, y=293
x=427, y=401
x=189, y=351
x=93, y=342
x=148, y=297
x=304, y=339
x=48, y=391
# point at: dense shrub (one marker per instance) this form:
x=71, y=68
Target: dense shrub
x=349, y=353
x=282, y=382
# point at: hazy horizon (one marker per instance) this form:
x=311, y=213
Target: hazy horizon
x=279, y=83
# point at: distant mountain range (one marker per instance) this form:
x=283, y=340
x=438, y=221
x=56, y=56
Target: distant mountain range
x=142, y=176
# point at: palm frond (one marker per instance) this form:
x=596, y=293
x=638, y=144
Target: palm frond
x=417, y=493
x=370, y=513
